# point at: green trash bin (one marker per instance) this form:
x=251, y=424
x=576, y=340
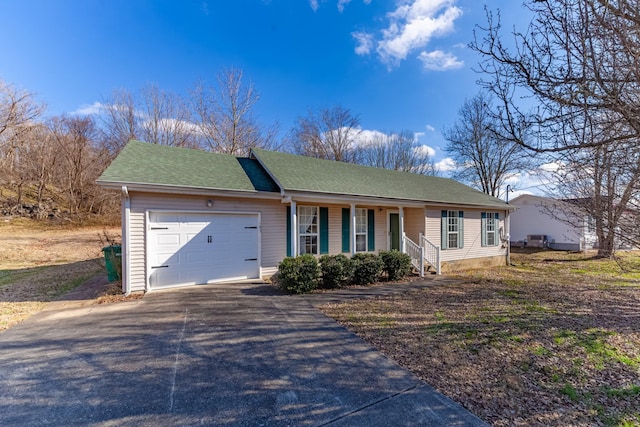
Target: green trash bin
x=112, y=260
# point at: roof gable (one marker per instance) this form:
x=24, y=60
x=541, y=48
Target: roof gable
x=307, y=174
x=152, y=164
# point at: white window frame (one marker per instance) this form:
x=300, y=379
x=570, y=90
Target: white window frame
x=490, y=228
x=362, y=219
x=453, y=215
x=302, y=219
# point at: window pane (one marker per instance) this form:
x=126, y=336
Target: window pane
x=453, y=240
x=308, y=245
x=361, y=220
x=491, y=239
x=361, y=243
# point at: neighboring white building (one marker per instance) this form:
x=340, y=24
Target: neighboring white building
x=546, y=222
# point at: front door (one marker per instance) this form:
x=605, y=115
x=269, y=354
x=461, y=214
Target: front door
x=394, y=231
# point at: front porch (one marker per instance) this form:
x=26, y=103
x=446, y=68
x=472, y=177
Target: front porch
x=319, y=229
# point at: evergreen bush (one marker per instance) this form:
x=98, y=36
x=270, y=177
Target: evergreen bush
x=299, y=274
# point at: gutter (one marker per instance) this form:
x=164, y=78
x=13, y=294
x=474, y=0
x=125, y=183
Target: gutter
x=126, y=235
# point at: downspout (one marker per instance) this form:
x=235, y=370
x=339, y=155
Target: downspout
x=508, y=237
x=126, y=234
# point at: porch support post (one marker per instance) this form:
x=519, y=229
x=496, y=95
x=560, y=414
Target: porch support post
x=294, y=229
x=125, y=257
x=401, y=220
x=353, y=228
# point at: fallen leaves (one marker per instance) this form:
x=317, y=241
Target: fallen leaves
x=551, y=341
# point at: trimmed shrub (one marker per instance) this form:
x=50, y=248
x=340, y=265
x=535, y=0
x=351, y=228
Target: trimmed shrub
x=337, y=270
x=367, y=268
x=396, y=264
x=299, y=275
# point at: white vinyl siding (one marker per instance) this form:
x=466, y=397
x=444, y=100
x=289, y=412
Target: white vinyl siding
x=273, y=225
x=414, y=222
x=472, y=235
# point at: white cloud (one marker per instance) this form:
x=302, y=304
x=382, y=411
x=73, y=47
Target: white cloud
x=418, y=135
x=439, y=61
x=430, y=128
x=365, y=42
x=342, y=4
x=174, y=126
x=90, y=110
x=446, y=165
x=315, y=4
x=413, y=25
x=368, y=137
x=551, y=167
x=424, y=150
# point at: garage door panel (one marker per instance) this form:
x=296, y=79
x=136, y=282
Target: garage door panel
x=165, y=219
x=168, y=240
x=192, y=257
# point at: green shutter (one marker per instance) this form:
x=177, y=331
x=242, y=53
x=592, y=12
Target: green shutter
x=289, y=231
x=324, y=230
x=483, y=229
x=460, y=229
x=371, y=230
x=497, y=239
x=444, y=240
x=346, y=230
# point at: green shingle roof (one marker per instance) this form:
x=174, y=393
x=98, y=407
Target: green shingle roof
x=144, y=163
x=299, y=173
x=150, y=164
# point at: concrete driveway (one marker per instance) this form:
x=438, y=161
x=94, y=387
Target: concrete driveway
x=208, y=355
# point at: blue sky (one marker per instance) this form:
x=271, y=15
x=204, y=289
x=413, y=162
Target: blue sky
x=397, y=64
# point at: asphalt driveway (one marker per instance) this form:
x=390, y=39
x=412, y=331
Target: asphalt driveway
x=208, y=355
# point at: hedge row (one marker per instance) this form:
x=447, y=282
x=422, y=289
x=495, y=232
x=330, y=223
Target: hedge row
x=305, y=273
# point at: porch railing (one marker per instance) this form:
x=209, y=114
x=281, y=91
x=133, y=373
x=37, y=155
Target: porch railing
x=431, y=253
x=416, y=252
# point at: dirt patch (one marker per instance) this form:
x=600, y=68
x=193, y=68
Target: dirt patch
x=554, y=340
x=40, y=262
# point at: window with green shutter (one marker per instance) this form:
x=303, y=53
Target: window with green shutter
x=489, y=229
x=452, y=230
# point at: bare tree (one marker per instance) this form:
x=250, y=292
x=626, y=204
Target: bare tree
x=483, y=158
x=18, y=113
x=225, y=115
x=577, y=67
x=119, y=121
x=165, y=120
x=397, y=151
x=576, y=56
x=601, y=183
x=80, y=162
x=330, y=133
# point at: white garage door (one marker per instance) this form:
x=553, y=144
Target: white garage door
x=189, y=249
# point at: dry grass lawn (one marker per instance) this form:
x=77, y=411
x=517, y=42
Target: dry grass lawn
x=40, y=262
x=553, y=340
